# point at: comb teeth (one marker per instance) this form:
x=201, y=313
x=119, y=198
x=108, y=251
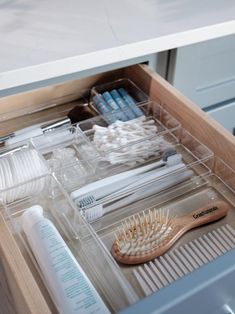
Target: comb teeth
x=171, y=266
x=143, y=232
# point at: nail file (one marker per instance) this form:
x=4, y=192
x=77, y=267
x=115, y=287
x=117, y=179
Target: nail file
x=175, y=264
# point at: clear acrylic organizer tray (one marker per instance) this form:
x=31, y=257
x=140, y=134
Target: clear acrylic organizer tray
x=106, y=197
x=132, y=89
x=61, y=111
x=178, y=140
x=78, y=236
x=152, y=111
x=91, y=243
x=69, y=156
x=20, y=163
x=164, y=133
x=118, y=100
x=177, y=201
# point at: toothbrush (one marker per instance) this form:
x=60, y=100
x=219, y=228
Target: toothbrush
x=94, y=210
x=147, y=191
x=142, y=180
x=134, y=182
x=153, y=174
x=146, y=236
x=106, y=186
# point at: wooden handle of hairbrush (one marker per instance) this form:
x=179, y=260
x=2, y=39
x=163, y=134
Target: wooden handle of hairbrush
x=206, y=214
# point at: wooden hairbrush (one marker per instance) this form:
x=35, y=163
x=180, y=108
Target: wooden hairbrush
x=144, y=237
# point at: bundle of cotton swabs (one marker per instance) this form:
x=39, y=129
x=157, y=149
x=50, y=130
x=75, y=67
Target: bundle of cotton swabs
x=113, y=141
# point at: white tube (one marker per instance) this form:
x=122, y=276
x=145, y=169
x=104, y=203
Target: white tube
x=70, y=288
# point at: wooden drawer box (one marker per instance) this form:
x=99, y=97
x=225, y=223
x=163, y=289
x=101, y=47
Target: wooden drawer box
x=24, y=288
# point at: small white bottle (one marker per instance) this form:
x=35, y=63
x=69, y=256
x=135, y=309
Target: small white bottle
x=70, y=287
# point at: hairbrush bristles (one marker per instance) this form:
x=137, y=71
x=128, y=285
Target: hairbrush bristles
x=143, y=237
x=140, y=234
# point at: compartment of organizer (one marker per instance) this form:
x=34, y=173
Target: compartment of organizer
x=120, y=186
x=194, y=248
x=19, y=164
x=33, y=120
x=118, y=100
x=77, y=235
x=68, y=155
x=125, y=144
x=161, y=119
x=156, y=121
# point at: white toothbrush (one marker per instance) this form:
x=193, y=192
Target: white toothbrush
x=147, y=191
x=97, y=209
x=141, y=181
x=136, y=182
x=153, y=175
x=106, y=186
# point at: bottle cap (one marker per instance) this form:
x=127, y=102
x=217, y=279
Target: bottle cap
x=31, y=216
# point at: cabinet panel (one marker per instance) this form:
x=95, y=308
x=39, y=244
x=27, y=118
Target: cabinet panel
x=205, y=72
x=225, y=115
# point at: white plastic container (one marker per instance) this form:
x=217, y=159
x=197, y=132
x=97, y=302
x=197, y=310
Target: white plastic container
x=70, y=288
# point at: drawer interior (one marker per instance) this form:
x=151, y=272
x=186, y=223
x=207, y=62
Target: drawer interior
x=206, y=148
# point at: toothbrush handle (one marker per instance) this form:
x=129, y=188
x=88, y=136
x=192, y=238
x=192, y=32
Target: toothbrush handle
x=141, y=180
x=150, y=190
x=109, y=182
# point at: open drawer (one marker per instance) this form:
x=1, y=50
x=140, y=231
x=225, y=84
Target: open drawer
x=27, y=289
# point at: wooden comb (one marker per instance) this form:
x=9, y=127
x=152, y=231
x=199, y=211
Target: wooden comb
x=144, y=237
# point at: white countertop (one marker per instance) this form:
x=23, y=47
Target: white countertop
x=43, y=39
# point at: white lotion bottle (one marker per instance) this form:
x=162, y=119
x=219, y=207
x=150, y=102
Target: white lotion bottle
x=70, y=287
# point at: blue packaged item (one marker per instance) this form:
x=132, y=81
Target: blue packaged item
x=119, y=114
x=103, y=108
x=130, y=101
x=122, y=104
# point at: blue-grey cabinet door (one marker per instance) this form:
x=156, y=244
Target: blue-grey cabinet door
x=225, y=115
x=205, y=72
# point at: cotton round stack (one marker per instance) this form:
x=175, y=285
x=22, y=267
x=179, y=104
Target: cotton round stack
x=16, y=171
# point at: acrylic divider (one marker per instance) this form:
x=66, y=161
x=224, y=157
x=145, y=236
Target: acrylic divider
x=152, y=111
x=182, y=166
x=129, y=146
x=135, y=91
x=121, y=94
x=18, y=164
x=27, y=120
x=178, y=201
x=68, y=154
x=75, y=162
x=97, y=237
x=79, y=237
x=71, y=151
x=91, y=244
x=77, y=170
